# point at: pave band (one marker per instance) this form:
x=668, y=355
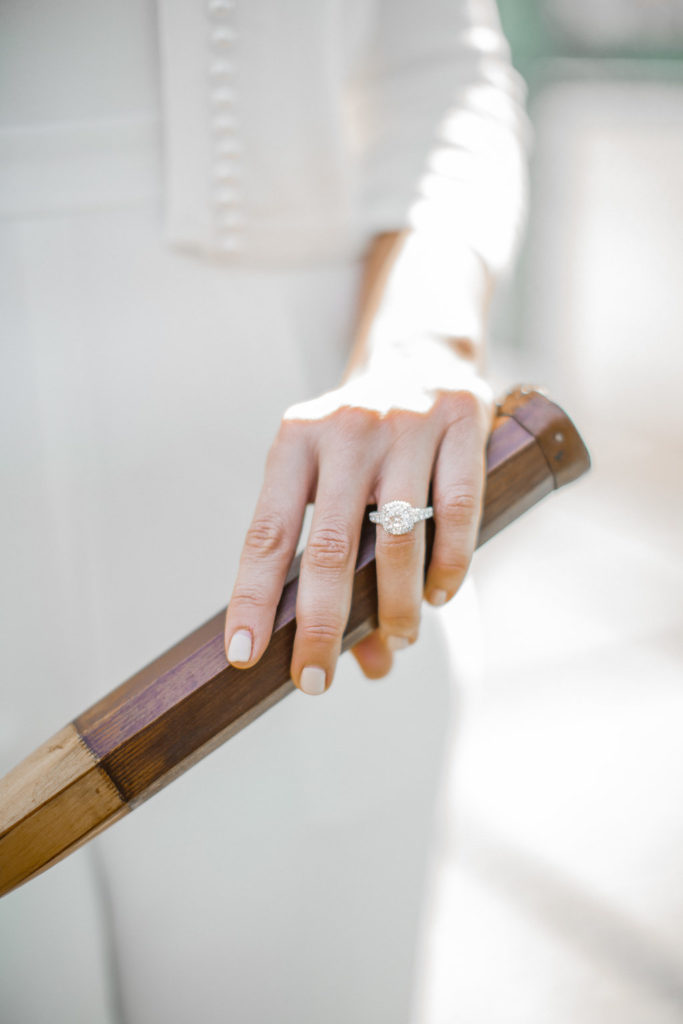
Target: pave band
x=400, y=516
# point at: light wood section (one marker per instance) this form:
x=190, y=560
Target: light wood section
x=50, y=803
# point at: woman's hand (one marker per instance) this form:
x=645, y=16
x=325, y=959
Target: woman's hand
x=417, y=413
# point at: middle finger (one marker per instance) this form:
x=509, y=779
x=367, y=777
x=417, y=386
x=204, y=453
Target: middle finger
x=327, y=571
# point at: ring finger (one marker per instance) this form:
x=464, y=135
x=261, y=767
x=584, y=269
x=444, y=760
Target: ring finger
x=400, y=557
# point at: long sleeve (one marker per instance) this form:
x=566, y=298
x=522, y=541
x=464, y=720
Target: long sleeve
x=316, y=124
x=444, y=126
x=444, y=139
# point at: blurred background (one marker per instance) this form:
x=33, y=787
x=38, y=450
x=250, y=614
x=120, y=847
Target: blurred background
x=562, y=900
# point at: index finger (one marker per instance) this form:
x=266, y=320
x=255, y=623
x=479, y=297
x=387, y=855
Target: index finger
x=269, y=546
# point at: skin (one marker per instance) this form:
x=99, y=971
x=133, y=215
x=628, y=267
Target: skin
x=402, y=416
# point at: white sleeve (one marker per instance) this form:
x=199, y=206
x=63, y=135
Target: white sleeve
x=444, y=146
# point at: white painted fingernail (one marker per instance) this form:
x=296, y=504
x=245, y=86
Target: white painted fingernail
x=240, y=646
x=312, y=680
x=438, y=597
x=397, y=643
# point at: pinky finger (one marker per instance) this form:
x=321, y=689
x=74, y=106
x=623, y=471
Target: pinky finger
x=458, y=492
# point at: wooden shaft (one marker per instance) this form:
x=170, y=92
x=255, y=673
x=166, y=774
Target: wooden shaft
x=188, y=701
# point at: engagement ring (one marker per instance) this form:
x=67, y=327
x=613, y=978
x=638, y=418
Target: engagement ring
x=400, y=516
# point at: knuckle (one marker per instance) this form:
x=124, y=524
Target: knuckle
x=329, y=548
x=462, y=407
x=467, y=403
x=289, y=429
x=402, y=424
x=267, y=535
x=452, y=565
x=458, y=509
x=318, y=631
x=402, y=624
x=349, y=436
x=356, y=419
x=249, y=597
x=292, y=435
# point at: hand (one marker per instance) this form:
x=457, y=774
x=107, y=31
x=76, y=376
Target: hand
x=417, y=413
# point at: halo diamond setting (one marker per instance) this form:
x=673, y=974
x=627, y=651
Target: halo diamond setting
x=400, y=516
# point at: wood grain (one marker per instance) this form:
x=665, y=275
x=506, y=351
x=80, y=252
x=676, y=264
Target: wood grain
x=188, y=701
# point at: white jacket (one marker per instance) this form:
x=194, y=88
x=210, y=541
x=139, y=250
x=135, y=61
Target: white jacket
x=290, y=131
x=296, y=129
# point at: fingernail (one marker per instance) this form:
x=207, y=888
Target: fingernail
x=312, y=680
x=397, y=643
x=438, y=597
x=240, y=646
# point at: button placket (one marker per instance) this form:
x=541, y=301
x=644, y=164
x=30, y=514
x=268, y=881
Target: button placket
x=223, y=96
x=222, y=72
x=222, y=37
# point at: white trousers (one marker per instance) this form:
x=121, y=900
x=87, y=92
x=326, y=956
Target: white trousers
x=283, y=878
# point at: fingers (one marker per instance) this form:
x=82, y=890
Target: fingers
x=458, y=490
x=268, y=549
x=356, y=459
x=373, y=655
x=327, y=571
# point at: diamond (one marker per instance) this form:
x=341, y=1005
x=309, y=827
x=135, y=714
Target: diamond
x=400, y=516
x=397, y=517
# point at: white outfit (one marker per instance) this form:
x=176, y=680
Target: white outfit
x=281, y=879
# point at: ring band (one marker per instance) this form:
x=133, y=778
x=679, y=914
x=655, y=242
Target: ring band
x=400, y=516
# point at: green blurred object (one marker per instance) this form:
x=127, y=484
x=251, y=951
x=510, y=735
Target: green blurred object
x=539, y=30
